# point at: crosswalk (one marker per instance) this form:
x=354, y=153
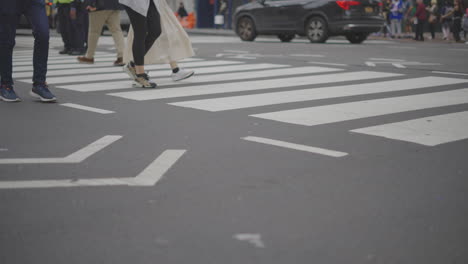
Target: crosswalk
x=234, y=85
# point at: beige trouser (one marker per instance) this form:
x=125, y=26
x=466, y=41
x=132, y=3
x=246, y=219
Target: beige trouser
x=97, y=19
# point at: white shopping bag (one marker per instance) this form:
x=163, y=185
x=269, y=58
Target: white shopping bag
x=219, y=20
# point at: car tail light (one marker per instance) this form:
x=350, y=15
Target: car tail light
x=347, y=4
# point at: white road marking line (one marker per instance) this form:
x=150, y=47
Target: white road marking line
x=400, y=47
x=429, y=131
x=203, y=79
x=71, y=60
x=328, y=63
x=148, y=177
x=255, y=100
x=385, y=59
x=370, y=64
x=254, y=239
x=111, y=69
x=399, y=65
x=243, y=86
x=157, y=74
x=75, y=157
x=284, y=144
x=451, y=73
x=63, y=66
x=236, y=51
x=458, y=49
x=3, y=149
x=67, y=61
x=87, y=108
x=307, y=55
x=327, y=114
x=62, y=58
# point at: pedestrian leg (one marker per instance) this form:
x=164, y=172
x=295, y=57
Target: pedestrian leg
x=40, y=26
x=65, y=27
x=96, y=22
x=113, y=23
x=7, y=43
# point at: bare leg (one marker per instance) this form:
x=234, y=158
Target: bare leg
x=173, y=64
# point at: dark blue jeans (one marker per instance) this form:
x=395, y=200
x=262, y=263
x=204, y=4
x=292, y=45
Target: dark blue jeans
x=34, y=10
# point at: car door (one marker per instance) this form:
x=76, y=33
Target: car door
x=266, y=16
x=287, y=14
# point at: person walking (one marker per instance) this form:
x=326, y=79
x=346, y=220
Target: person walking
x=396, y=15
x=171, y=45
x=421, y=16
x=104, y=12
x=73, y=21
x=433, y=13
x=182, y=12
x=446, y=19
x=35, y=12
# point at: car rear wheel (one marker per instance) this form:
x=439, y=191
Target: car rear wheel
x=286, y=37
x=317, y=30
x=246, y=29
x=356, y=38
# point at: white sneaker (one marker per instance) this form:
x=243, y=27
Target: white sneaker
x=182, y=74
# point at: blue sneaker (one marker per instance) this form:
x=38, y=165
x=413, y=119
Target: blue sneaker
x=41, y=92
x=7, y=93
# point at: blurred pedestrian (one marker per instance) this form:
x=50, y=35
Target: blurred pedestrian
x=465, y=24
x=457, y=15
x=420, y=20
x=182, y=12
x=72, y=17
x=446, y=19
x=396, y=15
x=386, y=15
x=408, y=14
x=104, y=12
x=172, y=45
x=433, y=14
x=35, y=12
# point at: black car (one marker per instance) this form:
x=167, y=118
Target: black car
x=316, y=19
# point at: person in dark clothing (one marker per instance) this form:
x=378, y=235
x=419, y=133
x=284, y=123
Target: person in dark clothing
x=147, y=30
x=421, y=17
x=73, y=22
x=181, y=11
x=457, y=15
x=10, y=12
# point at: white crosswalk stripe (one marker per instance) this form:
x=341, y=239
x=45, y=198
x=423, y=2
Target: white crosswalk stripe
x=245, y=101
x=228, y=79
x=162, y=82
x=249, y=85
x=312, y=116
x=112, y=69
x=429, y=131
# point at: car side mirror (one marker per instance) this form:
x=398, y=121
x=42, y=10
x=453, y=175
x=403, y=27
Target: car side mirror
x=262, y=2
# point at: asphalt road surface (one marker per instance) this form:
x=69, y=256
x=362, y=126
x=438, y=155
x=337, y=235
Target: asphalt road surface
x=272, y=153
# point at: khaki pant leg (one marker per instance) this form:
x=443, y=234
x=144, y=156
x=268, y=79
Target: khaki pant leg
x=96, y=22
x=113, y=23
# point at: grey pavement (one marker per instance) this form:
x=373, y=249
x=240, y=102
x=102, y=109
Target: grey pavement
x=290, y=153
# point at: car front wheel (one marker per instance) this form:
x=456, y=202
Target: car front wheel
x=317, y=30
x=286, y=37
x=356, y=38
x=246, y=29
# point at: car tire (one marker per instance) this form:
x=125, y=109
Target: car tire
x=286, y=37
x=317, y=30
x=246, y=29
x=356, y=38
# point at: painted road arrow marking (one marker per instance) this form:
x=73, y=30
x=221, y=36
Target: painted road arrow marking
x=75, y=157
x=148, y=177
